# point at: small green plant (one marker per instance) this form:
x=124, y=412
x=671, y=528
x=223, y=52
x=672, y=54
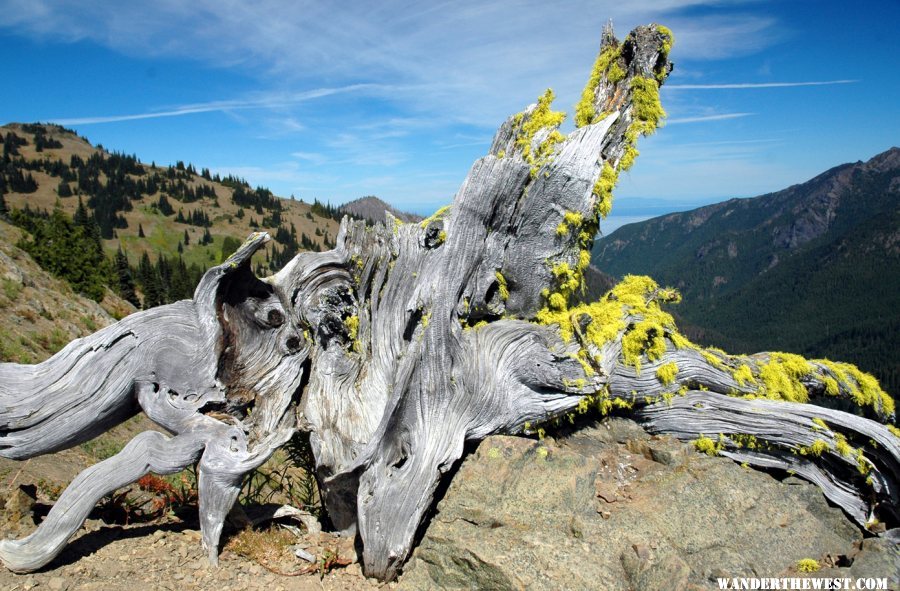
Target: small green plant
x=11, y=289
x=288, y=477
x=52, y=490
x=101, y=448
x=89, y=323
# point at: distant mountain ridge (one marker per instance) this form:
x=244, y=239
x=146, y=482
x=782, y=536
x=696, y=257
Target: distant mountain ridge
x=372, y=208
x=814, y=268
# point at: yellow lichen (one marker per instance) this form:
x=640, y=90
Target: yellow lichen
x=435, y=216
x=542, y=117
x=862, y=388
x=862, y=464
x=502, y=287
x=711, y=358
x=615, y=72
x=708, y=446
x=585, y=112
x=894, y=431
x=746, y=441
x=666, y=373
x=584, y=260
x=645, y=338
x=808, y=565
x=743, y=375
x=841, y=446
x=817, y=448
x=352, y=324
x=781, y=377
x=819, y=424
x=603, y=190
x=634, y=295
x=668, y=39
x=573, y=218
x=647, y=111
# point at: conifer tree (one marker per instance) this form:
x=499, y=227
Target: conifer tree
x=164, y=206
x=125, y=286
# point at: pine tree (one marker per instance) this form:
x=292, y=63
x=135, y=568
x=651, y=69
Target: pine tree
x=141, y=231
x=149, y=281
x=164, y=206
x=187, y=237
x=125, y=286
x=81, y=216
x=70, y=250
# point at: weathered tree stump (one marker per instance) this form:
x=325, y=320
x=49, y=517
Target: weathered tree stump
x=407, y=340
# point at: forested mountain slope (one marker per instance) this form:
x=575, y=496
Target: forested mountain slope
x=81, y=205
x=812, y=269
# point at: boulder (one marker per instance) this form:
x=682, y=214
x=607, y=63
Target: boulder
x=609, y=507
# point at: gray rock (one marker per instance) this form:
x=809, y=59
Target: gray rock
x=587, y=512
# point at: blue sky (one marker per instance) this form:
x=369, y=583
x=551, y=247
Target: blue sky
x=339, y=100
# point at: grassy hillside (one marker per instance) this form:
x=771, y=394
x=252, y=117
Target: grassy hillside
x=40, y=313
x=813, y=269
x=47, y=166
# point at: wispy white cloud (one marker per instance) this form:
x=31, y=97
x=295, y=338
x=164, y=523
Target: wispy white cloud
x=267, y=101
x=705, y=118
x=470, y=60
x=311, y=157
x=742, y=85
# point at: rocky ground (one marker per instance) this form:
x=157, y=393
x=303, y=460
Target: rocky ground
x=611, y=508
x=604, y=508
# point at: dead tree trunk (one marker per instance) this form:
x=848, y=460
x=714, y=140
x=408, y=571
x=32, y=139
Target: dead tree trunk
x=407, y=340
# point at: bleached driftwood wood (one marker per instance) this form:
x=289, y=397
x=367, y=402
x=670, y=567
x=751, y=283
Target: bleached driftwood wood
x=407, y=340
x=187, y=366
